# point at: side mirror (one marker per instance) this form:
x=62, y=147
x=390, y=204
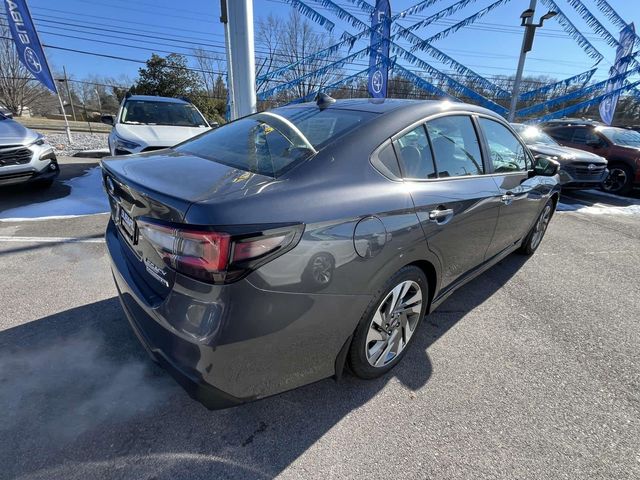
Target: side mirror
x=108, y=119
x=595, y=143
x=545, y=167
x=213, y=124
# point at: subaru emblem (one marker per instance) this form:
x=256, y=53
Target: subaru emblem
x=591, y=166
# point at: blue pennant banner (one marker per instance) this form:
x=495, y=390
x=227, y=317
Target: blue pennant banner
x=342, y=14
x=610, y=13
x=332, y=86
x=577, y=94
x=310, y=13
x=462, y=70
x=364, y=6
x=379, y=50
x=582, y=78
x=589, y=103
x=464, y=23
x=27, y=42
x=446, y=12
x=417, y=8
x=331, y=66
x=573, y=31
x=593, y=22
x=421, y=83
x=620, y=66
x=453, y=84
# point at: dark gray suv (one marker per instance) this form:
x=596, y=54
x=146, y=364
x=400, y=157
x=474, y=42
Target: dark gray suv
x=275, y=250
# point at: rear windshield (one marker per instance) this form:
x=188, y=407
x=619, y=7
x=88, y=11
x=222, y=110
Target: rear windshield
x=269, y=143
x=149, y=112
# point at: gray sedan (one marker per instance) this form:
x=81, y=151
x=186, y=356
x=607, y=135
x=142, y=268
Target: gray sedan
x=278, y=249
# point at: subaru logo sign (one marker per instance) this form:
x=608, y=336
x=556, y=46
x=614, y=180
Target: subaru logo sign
x=591, y=166
x=32, y=61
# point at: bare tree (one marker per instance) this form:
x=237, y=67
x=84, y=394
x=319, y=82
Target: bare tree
x=18, y=90
x=290, y=42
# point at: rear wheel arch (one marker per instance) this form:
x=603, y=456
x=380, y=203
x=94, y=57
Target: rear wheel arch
x=432, y=278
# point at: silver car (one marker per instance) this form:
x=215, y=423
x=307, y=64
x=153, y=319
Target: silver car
x=25, y=156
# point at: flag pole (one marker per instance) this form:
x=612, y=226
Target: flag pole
x=64, y=115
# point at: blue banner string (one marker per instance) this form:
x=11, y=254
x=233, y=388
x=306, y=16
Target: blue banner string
x=422, y=83
x=364, y=6
x=417, y=8
x=446, y=12
x=593, y=22
x=310, y=13
x=581, y=78
x=570, y=28
x=461, y=69
x=577, y=94
x=466, y=22
x=610, y=13
x=586, y=104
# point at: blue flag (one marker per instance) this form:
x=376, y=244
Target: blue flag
x=378, y=63
x=27, y=42
x=623, y=59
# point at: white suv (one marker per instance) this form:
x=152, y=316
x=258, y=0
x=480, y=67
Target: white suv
x=25, y=156
x=146, y=123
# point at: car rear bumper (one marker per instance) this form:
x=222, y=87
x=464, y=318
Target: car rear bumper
x=255, y=343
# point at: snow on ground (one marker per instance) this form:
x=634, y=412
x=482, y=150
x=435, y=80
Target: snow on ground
x=85, y=198
x=80, y=142
x=599, y=209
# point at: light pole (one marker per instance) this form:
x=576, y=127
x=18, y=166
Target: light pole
x=527, y=45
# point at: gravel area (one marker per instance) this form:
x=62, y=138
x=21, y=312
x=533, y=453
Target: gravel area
x=81, y=141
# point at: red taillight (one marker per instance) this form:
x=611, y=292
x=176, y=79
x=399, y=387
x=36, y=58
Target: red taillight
x=207, y=255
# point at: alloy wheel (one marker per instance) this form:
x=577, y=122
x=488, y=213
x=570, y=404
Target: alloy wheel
x=616, y=180
x=541, y=227
x=393, y=323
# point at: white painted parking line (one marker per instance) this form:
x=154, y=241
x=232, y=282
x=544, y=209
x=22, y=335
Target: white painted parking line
x=51, y=239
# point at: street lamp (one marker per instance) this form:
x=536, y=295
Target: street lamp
x=527, y=45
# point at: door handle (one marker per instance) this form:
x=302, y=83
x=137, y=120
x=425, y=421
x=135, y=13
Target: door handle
x=441, y=216
x=507, y=198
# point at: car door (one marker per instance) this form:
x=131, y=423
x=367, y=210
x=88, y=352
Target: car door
x=457, y=204
x=520, y=196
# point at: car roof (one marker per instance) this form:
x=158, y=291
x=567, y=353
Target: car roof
x=385, y=105
x=153, y=98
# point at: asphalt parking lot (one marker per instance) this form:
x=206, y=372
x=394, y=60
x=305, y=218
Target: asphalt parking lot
x=530, y=371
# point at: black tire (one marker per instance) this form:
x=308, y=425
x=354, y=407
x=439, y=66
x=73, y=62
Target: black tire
x=620, y=179
x=358, y=359
x=534, y=238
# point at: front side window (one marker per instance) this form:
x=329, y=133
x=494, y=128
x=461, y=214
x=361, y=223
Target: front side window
x=148, y=112
x=506, y=151
x=415, y=154
x=622, y=137
x=455, y=146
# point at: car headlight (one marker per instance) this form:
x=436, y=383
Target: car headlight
x=126, y=144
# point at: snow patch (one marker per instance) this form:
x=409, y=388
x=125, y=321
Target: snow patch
x=85, y=198
x=599, y=209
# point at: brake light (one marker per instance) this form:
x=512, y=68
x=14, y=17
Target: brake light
x=216, y=257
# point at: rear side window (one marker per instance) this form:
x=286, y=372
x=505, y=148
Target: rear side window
x=455, y=146
x=507, y=153
x=415, y=154
x=269, y=143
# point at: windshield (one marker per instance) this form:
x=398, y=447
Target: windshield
x=269, y=143
x=622, y=137
x=146, y=112
x=534, y=135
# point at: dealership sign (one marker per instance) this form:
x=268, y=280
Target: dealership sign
x=379, y=49
x=27, y=42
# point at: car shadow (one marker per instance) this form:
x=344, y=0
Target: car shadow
x=80, y=399
x=20, y=195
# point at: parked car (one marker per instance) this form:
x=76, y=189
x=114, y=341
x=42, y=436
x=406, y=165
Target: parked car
x=578, y=169
x=270, y=252
x=621, y=148
x=145, y=123
x=25, y=156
